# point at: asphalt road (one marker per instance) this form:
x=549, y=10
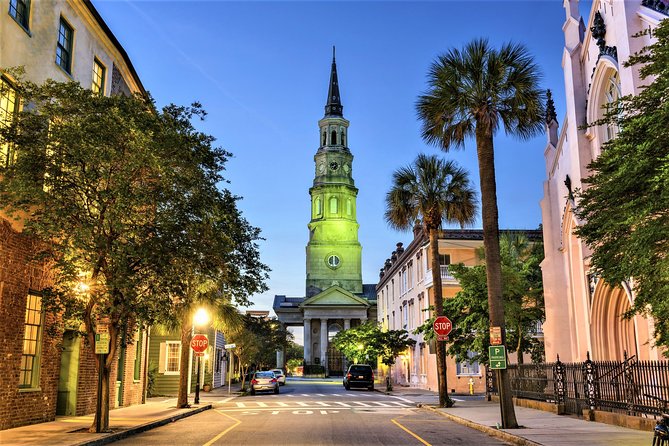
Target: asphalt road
x=313, y=413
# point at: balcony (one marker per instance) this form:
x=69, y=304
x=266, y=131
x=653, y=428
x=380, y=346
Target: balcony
x=446, y=276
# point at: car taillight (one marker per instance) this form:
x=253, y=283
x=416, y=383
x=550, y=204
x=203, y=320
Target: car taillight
x=348, y=376
x=254, y=381
x=273, y=380
x=372, y=376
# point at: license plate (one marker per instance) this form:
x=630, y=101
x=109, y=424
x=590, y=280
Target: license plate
x=361, y=377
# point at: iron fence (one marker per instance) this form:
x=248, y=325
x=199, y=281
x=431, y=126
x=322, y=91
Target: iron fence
x=630, y=386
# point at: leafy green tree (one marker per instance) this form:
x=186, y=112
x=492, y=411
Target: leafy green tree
x=432, y=191
x=119, y=193
x=625, y=205
x=367, y=342
x=523, y=302
x=474, y=93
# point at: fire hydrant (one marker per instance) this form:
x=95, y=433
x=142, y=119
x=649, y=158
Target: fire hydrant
x=471, y=386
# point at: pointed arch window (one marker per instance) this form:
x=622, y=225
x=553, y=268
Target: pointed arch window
x=611, y=96
x=333, y=137
x=318, y=209
x=349, y=207
x=343, y=137
x=325, y=138
x=334, y=205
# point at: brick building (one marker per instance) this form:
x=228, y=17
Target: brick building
x=45, y=371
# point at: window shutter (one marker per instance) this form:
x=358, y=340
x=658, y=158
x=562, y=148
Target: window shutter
x=161, y=360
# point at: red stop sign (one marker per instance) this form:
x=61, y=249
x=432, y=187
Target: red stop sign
x=199, y=343
x=442, y=326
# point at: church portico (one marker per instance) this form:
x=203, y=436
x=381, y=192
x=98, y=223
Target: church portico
x=335, y=297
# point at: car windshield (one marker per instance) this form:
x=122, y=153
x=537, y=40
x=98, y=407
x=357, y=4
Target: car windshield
x=360, y=368
x=277, y=372
x=264, y=375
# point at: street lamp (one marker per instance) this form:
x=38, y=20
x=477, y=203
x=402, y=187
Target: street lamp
x=201, y=319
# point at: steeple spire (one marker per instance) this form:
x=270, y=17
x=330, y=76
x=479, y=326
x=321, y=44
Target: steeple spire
x=333, y=106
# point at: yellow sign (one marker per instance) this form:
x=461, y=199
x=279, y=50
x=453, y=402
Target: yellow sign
x=495, y=335
x=102, y=343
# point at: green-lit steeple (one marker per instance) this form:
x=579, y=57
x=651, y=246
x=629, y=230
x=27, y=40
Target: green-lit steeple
x=333, y=253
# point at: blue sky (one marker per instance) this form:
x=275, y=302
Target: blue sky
x=261, y=70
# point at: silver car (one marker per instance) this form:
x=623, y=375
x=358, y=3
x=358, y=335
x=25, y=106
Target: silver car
x=264, y=381
x=280, y=377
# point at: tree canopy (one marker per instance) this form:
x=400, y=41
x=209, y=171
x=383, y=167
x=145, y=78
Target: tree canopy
x=127, y=203
x=624, y=204
x=367, y=342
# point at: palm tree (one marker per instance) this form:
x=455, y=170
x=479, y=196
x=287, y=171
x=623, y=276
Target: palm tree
x=432, y=190
x=474, y=93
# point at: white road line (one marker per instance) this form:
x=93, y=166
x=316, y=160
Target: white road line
x=380, y=403
x=403, y=399
x=343, y=404
x=320, y=403
x=282, y=404
x=306, y=394
x=361, y=403
x=261, y=404
x=241, y=405
x=225, y=400
x=324, y=412
x=300, y=403
x=320, y=394
x=397, y=403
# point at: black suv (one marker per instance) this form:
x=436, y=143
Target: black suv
x=359, y=375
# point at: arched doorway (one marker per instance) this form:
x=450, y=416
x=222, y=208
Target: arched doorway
x=612, y=335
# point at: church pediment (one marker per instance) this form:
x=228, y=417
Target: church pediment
x=335, y=296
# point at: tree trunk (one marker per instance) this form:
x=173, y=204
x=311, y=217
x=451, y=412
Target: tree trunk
x=186, y=336
x=106, y=379
x=520, y=347
x=444, y=400
x=489, y=216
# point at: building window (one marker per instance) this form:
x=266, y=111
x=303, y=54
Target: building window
x=20, y=11
x=9, y=107
x=444, y=259
x=172, y=356
x=333, y=137
x=468, y=367
x=333, y=205
x=611, y=95
x=64, y=47
x=333, y=261
x=317, y=207
x=29, y=372
x=137, y=373
x=98, y=85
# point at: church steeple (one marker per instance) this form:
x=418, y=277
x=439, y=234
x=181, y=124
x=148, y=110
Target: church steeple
x=333, y=106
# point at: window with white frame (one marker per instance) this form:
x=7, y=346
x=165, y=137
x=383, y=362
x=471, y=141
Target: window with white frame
x=468, y=367
x=405, y=316
x=410, y=275
x=32, y=340
x=99, y=72
x=411, y=314
x=172, y=356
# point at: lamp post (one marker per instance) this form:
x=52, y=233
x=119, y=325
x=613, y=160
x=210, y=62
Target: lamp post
x=201, y=318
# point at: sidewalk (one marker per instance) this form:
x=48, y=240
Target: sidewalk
x=124, y=422
x=539, y=427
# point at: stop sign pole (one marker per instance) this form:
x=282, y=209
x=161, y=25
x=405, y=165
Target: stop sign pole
x=199, y=344
x=442, y=327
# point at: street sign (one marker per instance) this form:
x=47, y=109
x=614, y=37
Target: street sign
x=495, y=335
x=101, y=343
x=199, y=343
x=497, y=357
x=442, y=327
x=229, y=346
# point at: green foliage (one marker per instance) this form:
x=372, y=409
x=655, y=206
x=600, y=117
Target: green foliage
x=625, y=206
x=258, y=341
x=523, y=303
x=366, y=342
x=294, y=352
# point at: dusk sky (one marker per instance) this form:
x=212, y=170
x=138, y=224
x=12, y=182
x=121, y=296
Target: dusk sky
x=261, y=70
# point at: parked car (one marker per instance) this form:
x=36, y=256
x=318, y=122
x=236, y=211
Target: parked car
x=359, y=375
x=264, y=381
x=280, y=377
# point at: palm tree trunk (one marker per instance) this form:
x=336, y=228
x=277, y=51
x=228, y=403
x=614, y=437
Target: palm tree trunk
x=486, y=161
x=442, y=378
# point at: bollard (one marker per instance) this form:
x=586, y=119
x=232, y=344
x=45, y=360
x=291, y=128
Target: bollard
x=471, y=386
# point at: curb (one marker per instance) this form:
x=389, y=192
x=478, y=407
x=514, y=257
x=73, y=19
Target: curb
x=142, y=428
x=503, y=435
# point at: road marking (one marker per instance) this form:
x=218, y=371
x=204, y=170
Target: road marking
x=306, y=394
x=261, y=404
x=320, y=403
x=241, y=405
x=302, y=412
x=225, y=400
x=361, y=403
x=275, y=412
x=282, y=404
x=394, y=421
x=300, y=403
x=320, y=394
x=217, y=437
x=380, y=403
x=324, y=412
x=343, y=404
x=404, y=399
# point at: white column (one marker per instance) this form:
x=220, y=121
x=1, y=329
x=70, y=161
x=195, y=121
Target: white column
x=347, y=324
x=307, y=340
x=324, y=343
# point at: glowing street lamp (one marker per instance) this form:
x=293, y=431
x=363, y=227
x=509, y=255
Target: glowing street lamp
x=200, y=319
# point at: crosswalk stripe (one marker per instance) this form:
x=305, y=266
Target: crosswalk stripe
x=320, y=394
x=379, y=403
x=306, y=394
x=361, y=403
x=343, y=404
x=241, y=405
x=397, y=403
x=300, y=403
x=282, y=404
x=321, y=403
x=262, y=404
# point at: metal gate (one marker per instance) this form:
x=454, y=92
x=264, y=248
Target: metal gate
x=336, y=361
